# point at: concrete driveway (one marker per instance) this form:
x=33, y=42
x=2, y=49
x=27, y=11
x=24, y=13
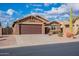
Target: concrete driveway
x=29, y=40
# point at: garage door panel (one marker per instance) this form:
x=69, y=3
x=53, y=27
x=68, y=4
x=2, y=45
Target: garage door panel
x=31, y=29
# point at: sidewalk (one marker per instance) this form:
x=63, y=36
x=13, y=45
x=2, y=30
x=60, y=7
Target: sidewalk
x=32, y=40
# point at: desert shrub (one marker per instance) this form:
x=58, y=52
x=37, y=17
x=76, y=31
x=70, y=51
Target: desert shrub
x=60, y=34
x=69, y=34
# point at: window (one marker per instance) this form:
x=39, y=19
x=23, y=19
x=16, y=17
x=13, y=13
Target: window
x=67, y=25
x=53, y=27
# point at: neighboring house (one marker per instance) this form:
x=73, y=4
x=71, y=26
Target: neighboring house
x=32, y=24
x=76, y=25
x=66, y=27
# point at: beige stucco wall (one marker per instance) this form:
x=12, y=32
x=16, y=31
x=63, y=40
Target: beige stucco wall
x=75, y=27
x=43, y=29
x=16, y=29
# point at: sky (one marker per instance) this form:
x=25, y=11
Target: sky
x=10, y=12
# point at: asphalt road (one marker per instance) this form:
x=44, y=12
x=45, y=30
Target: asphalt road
x=63, y=49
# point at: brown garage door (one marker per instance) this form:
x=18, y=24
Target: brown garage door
x=30, y=28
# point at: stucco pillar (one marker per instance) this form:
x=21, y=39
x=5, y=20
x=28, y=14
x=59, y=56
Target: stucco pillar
x=16, y=29
x=43, y=29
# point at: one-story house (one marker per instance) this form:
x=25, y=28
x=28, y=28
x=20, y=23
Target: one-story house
x=32, y=24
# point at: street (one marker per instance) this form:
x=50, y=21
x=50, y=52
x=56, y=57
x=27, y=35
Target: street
x=61, y=49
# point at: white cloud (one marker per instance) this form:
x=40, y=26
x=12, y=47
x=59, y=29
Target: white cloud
x=9, y=16
x=60, y=13
x=38, y=9
x=46, y=16
x=47, y=4
x=10, y=11
x=74, y=6
x=55, y=13
x=59, y=10
x=66, y=15
x=63, y=11
x=64, y=8
x=5, y=18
